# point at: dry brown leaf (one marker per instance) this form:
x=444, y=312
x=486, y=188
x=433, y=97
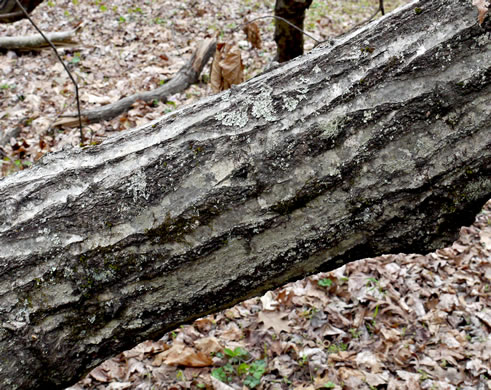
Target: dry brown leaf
x=375, y=380
x=232, y=67
x=232, y=332
x=274, y=320
x=99, y=374
x=208, y=345
x=367, y=359
x=486, y=238
x=285, y=296
x=253, y=35
x=485, y=316
x=353, y=379
x=151, y=347
x=269, y=302
x=305, y=387
x=227, y=68
x=482, y=6
x=182, y=355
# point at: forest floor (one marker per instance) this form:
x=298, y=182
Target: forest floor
x=393, y=322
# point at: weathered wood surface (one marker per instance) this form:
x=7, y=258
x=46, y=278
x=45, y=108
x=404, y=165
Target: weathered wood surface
x=377, y=144
x=37, y=42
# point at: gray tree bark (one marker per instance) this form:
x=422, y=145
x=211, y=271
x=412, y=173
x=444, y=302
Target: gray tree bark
x=379, y=143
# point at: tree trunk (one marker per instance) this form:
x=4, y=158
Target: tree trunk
x=377, y=144
x=289, y=40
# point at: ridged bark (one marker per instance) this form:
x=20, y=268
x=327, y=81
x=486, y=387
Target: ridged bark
x=377, y=144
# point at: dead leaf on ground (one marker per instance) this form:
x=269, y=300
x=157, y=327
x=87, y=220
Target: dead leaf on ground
x=227, y=68
x=482, y=6
x=182, y=355
x=208, y=345
x=274, y=320
x=251, y=29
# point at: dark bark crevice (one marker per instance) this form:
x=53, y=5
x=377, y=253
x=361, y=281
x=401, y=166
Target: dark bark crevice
x=340, y=154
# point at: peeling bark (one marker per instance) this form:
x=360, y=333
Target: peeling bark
x=377, y=144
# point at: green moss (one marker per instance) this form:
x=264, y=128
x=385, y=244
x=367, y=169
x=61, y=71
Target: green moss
x=83, y=260
x=367, y=49
x=108, y=264
x=28, y=300
x=393, y=62
x=417, y=10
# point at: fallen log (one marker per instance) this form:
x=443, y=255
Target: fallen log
x=377, y=144
x=37, y=42
x=11, y=12
x=187, y=75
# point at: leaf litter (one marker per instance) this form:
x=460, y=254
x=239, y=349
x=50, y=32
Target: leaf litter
x=392, y=322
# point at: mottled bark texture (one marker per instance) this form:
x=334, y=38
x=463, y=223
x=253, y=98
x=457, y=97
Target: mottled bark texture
x=10, y=11
x=289, y=40
x=379, y=143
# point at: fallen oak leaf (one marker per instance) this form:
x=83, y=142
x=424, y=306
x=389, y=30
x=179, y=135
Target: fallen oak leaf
x=208, y=345
x=269, y=302
x=483, y=7
x=227, y=68
x=182, y=355
x=274, y=320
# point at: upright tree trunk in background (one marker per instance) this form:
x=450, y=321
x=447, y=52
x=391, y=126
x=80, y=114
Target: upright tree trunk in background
x=289, y=40
x=377, y=144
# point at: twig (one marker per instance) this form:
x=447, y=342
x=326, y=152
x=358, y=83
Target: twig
x=380, y=8
x=318, y=42
x=283, y=20
x=82, y=138
x=186, y=76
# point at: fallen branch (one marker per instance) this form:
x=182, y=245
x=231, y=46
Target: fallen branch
x=186, y=76
x=37, y=42
x=357, y=149
x=10, y=11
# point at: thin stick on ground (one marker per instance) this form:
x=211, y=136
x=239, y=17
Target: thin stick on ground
x=36, y=42
x=82, y=138
x=186, y=76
